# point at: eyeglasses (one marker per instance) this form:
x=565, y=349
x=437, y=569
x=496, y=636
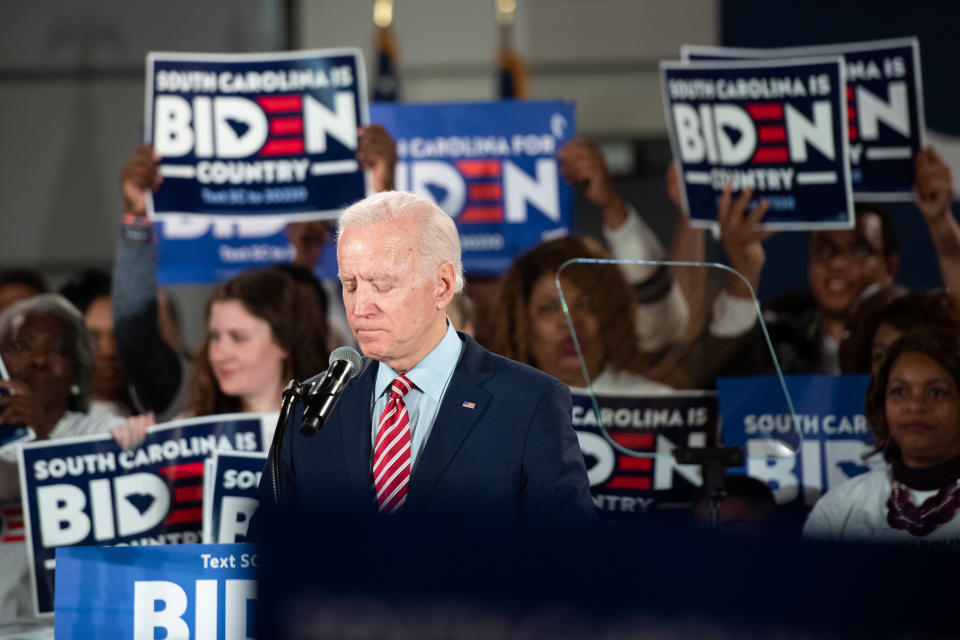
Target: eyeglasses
x=859, y=251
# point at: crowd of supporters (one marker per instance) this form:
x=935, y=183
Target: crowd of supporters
x=105, y=353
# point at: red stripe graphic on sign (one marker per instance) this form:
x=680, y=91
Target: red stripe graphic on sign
x=280, y=104
x=635, y=464
x=853, y=132
x=481, y=214
x=770, y=154
x=188, y=494
x=492, y=191
x=287, y=147
x=479, y=168
x=12, y=525
x=851, y=114
x=634, y=440
x=627, y=482
x=849, y=92
x=771, y=133
x=765, y=111
x=285, y=126
x=188, y=470
x=179, y=516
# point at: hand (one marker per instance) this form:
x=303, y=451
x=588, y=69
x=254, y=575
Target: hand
x=139, y=175
x=672, y=179
x=22, y=406
x=583, y=166
x=133, y=431
x=378, y=152
x=308, y=239
x=741, y=239
x=934, y=185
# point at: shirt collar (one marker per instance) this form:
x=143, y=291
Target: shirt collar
x=430, y=375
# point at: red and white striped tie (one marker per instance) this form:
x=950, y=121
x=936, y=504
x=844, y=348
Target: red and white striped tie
x=391, y=456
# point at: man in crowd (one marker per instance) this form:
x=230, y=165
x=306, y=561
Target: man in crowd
x=434, y=423
x=848, y=265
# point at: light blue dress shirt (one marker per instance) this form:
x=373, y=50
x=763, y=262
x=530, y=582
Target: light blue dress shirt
x=430, y=377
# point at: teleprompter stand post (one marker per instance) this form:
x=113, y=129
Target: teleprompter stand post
x=713, y=461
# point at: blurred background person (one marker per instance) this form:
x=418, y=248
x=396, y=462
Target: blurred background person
x=848, y=265
x=871, y=331
x=689, y=334
x=260, y=333
x=665, y=310
x=913, y=408
x=89, y=291
x=49, y=357
x=532, y=328
x=19, y=284
x=263, y=328
x=462, y=313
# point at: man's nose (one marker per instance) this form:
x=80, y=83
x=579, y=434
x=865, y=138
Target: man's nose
x=362, y=301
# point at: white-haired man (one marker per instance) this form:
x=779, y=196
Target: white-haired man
x=434, y=423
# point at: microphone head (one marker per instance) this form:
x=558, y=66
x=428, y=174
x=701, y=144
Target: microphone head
x=349, y=355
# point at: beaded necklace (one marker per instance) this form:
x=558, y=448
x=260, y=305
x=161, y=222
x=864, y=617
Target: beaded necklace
x=936, y=510
x=919, y=521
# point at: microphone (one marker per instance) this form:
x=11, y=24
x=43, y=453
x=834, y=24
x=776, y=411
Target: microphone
x=344, y=366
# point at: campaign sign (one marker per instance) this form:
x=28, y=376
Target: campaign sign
x=777, y=127
x=491, y=166
x=885, y=108
x=829, y=419
x=11, y=434
x=253, y=135
x=626, y=486
x=231, y=486
x=204, y=591
x=89, y=491
x=194, y=250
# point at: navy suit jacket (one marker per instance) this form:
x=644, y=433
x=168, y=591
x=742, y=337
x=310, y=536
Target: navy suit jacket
x=510, y=451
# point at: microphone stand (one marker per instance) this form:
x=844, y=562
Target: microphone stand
x=713, y=461
x=291, y=394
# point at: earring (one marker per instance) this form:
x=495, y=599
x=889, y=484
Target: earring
x=74, y=390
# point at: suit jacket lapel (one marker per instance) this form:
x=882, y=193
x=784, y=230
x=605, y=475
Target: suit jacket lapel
x=453, y=423
x=354, y=424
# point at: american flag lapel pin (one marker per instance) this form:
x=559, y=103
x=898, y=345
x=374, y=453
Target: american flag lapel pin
x=469, y=405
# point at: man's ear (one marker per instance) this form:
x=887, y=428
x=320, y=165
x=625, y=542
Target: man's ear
x=445, y=281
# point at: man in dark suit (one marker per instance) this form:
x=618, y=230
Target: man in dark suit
x=434, y=423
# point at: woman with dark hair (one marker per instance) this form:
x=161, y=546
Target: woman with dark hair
x=263, y=328
x=260, y=333
x=533, y=329
x=913, y=407
x=885, y=317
